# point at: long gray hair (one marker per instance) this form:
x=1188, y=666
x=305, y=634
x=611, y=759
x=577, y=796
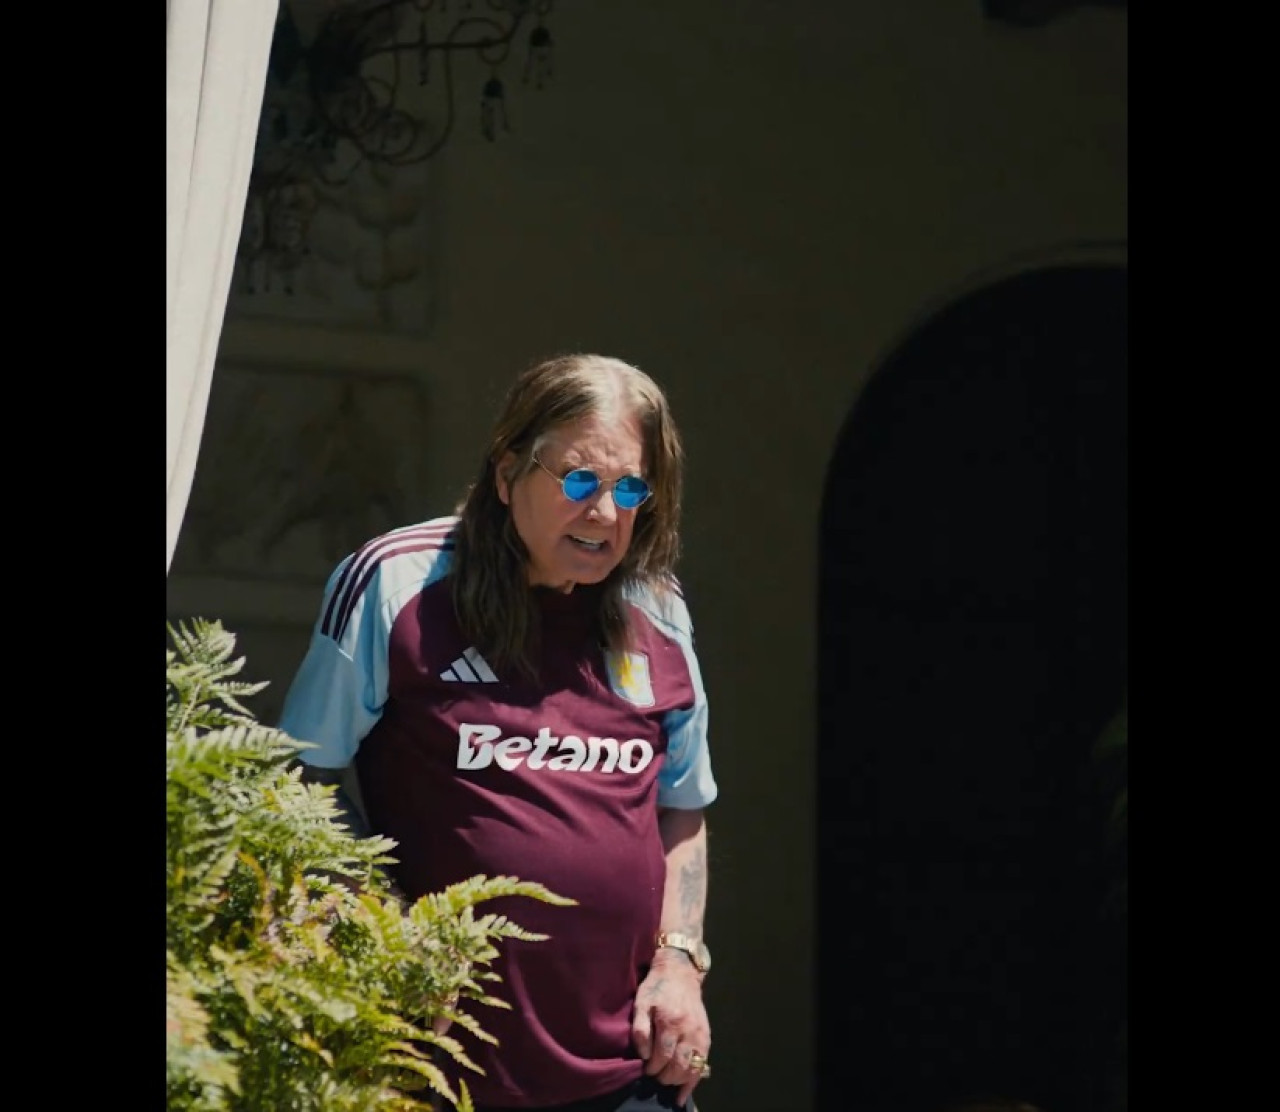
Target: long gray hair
x=491, y=592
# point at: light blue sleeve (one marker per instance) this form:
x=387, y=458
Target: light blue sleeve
x=340, y=688
x=685, y=780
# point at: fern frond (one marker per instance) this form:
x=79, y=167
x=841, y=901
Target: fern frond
x=287, y=989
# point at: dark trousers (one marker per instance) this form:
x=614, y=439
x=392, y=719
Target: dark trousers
x=644, y=1095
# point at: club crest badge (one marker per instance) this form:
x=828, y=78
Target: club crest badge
x=629, y=677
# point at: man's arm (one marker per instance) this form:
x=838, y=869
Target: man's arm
x=684, y=900
x=670, y=1019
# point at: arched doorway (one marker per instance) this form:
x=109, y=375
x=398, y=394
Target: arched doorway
x=973, y=645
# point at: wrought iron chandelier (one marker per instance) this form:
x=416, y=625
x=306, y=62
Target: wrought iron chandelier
x=358, y=79
x=359, y=87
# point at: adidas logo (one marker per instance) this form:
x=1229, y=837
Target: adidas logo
x=470, y=667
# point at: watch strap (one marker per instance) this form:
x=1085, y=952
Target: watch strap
x=694, y=947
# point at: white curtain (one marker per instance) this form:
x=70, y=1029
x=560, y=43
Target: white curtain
x=215, y=68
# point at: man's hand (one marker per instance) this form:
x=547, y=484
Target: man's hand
x=670, y=1024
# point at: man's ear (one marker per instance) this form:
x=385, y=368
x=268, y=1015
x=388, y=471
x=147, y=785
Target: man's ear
x=502, y=476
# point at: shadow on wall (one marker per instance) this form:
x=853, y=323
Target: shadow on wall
x=974, y=645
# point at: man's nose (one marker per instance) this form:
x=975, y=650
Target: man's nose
x=603, y=507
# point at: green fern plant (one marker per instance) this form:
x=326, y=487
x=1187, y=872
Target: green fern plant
x=296, y=981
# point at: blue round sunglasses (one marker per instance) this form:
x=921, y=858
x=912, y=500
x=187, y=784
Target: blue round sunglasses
x=629, y=492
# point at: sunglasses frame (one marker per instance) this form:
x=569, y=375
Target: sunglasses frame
x=601, y=484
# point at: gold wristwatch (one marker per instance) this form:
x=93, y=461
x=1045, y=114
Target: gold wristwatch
x=694, y=947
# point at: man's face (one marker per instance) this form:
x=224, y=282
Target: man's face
x=575, y=542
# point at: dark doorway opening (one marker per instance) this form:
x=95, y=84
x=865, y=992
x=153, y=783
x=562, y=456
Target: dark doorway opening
x=973, y=647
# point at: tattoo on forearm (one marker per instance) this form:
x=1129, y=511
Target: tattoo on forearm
x=693, y=891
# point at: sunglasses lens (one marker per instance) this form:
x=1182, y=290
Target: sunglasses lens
x=580, y=484
x=630, y=491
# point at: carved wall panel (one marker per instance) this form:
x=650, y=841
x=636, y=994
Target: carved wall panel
x=297, y=468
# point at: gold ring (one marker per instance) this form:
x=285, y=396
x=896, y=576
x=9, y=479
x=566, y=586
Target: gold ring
x=699, y=1062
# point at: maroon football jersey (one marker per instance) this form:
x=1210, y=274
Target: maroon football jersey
x=556, y=779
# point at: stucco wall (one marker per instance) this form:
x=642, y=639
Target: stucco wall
x=752, y=200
